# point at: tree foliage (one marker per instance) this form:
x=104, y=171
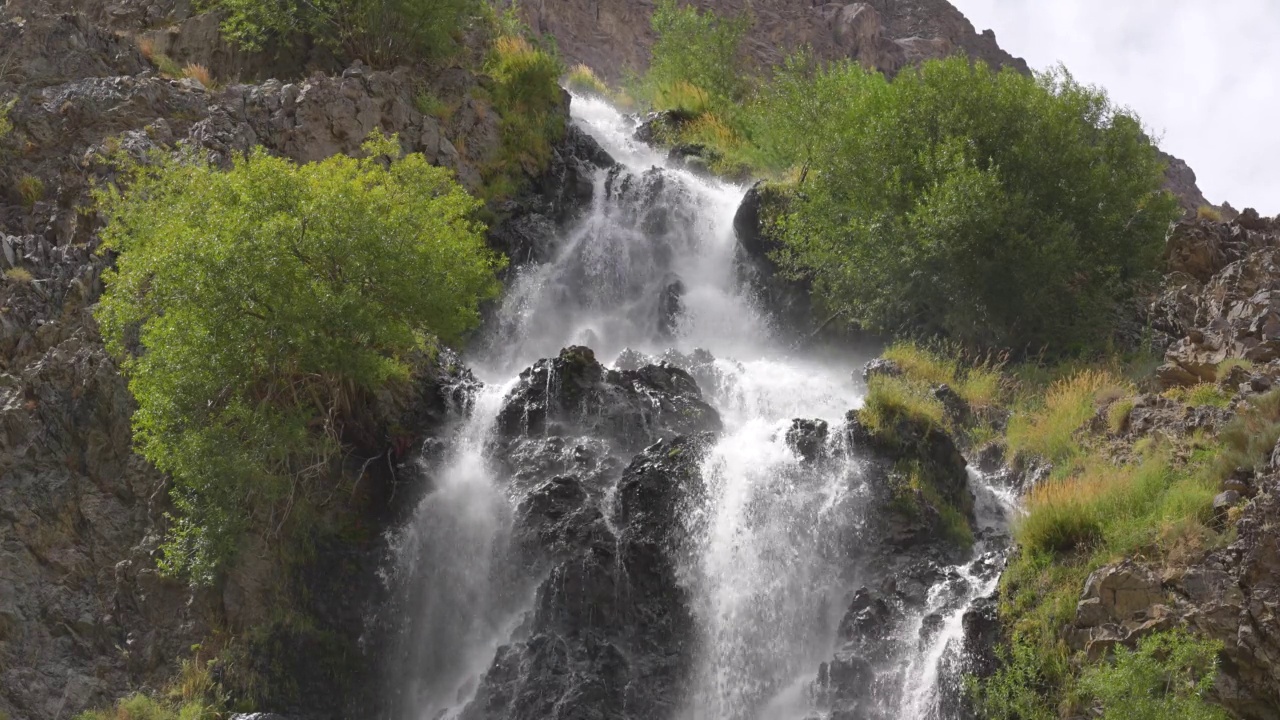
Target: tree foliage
x=696, y=60
x=254, y=309
x=990, y=207
x=377, y=31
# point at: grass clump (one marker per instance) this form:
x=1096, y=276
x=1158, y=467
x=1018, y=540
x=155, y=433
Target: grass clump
x=200, y=74
x=1247, y=441
x=1226, y=366
x=426, y=102
x=6, y=125
x=1118, y=415
x=981, y=384
x=583, y=80
x=143, y=707
x=1168, y=675
x=1050, y=431
x=1208, y=212
x=19, y=275
x=527, y=96
x=892, y=400
x=31, y=190
x=1208, y=394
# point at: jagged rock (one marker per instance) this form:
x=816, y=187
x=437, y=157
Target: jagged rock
x=881, y=366
x=632, y=407
x=808, y=438
x=787, y=298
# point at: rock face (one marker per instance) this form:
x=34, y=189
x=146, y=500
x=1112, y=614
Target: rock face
x=612, y=36
x=1222, y=297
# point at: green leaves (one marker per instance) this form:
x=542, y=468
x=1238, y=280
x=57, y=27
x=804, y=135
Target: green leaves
x=1167, y=676
x=695, y=58
x=253, y=308
x=994, y=208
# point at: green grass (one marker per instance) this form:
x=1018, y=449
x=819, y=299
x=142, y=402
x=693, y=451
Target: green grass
x=583, y=80
x=891, y=400
x=1118, y=415
x=1168, y=675
x=1208, y=212
x=1049, y=431
x=1203, y=394
x=31, y=190
x=981, y=384
x=143, y=707
x=1247, y=441
x=425, y=102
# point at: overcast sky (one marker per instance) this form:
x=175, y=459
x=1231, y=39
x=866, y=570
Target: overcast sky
x=1203, y=75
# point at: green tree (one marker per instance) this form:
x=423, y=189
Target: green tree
x=990, y=207
x=256, y=310
x=696, y=58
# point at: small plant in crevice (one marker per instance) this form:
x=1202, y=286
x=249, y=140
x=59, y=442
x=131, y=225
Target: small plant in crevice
x=1209, y=212
x=18, y=275
x=583, y=80
x=31, y=190
x=200, y=74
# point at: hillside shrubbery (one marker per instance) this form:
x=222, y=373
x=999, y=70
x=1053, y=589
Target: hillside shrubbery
x=377, y=31
x=991, y=208
x=256, y=310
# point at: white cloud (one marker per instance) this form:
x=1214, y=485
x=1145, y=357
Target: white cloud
x=1204, y=76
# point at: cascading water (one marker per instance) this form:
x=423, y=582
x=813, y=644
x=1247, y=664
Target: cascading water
x=651, y=267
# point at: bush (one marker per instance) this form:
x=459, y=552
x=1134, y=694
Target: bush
x=380, y=32
x=256, y=310
x=695, y=53
x=992, y=208
x=527, y=95
x=1167, y=676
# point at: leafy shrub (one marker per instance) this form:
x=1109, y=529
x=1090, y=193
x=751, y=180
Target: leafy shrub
x=992, y=208
x=381, y=32
x=254, y=310
x=1167, y=676
x=425, y=102
x=695, y=51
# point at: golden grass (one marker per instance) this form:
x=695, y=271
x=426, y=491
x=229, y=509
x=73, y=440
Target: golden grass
x=1208, y=212
x=891, y=399
x=199, y=73
x=18, y=275
x=682, y=96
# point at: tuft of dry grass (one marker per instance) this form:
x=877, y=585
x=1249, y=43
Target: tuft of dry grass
x=683, y=97
x=18, y=275
x=1208, y=212
x=147, y=46
x=199, y=73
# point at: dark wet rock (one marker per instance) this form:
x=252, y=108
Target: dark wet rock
x=881, y=366
x=808, y=438
x=609, y=632
x=573, y=393
x=670, y=307
x=956, y=408
x=786, y=298
x=656, y=126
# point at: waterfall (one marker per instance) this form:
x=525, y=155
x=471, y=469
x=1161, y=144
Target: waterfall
x=650, y=269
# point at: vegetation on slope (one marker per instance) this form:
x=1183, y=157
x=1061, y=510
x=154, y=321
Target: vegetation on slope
x=257, y=310
x=380, y=32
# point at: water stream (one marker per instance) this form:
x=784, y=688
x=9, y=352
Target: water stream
x=768, y=579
